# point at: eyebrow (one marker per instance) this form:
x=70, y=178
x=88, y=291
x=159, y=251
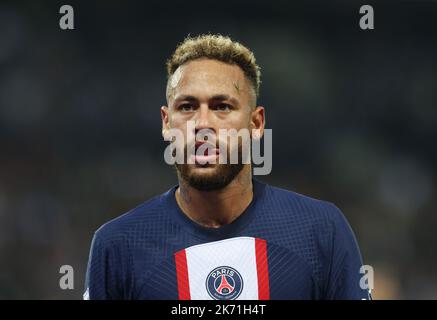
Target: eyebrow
x=224, y=97
x=185, y=97
x=219, y=97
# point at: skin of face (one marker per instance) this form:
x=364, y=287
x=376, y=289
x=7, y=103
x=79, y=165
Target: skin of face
x=215, y=95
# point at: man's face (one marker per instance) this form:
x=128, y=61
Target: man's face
x=214, y=95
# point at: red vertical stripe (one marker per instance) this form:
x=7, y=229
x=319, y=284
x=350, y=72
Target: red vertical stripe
x=182, y=275
x=262, y=269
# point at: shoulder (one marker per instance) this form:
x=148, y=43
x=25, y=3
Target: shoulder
x=316, y=230
x=305, y=221
x=302, y=222
x=292, y=205
x=127, y=226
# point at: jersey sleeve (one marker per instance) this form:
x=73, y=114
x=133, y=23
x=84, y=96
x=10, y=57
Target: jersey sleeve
x=345, y=271
x=102, y=277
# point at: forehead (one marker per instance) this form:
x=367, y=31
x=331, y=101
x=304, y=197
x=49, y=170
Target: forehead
x=208, y=77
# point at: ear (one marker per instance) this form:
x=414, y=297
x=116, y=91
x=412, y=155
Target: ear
x=165, y=121
x=257, y=121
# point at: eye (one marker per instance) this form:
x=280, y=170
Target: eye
x=223, y=107
x=186, y=107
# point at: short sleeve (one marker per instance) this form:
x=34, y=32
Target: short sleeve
x=346, y=262
x=102, y=281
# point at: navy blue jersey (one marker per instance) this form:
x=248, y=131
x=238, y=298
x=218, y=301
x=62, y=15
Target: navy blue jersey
x=283, y=246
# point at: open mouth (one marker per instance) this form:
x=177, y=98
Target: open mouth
x=206, y=153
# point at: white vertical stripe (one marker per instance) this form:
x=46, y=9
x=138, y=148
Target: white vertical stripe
x=238, y=253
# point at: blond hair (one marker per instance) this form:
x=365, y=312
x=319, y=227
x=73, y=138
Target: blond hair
x=217, y=47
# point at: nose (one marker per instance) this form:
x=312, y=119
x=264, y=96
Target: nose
x=203, y=120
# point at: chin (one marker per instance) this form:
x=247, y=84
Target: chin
x=209, y=177
x=207, y=171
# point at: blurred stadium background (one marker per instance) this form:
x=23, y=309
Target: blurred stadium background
x=353, y=114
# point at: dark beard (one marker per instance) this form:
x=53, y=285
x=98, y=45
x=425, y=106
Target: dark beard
x=223, y=175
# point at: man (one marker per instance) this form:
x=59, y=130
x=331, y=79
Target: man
x=220, y=234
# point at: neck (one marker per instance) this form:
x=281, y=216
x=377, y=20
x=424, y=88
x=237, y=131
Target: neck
x=219, y=207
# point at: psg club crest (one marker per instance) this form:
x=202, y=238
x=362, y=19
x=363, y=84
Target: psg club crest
x=224, y=283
